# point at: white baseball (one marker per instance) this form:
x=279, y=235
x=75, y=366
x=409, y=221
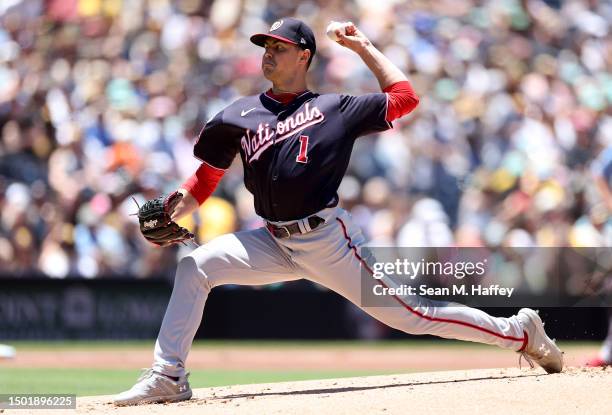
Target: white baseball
x=7, y=352
x=332, y=27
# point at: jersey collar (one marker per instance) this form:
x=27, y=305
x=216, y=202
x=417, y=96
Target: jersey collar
x=285, y=97
x=276, y=107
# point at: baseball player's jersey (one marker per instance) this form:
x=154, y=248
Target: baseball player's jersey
x=295, y=154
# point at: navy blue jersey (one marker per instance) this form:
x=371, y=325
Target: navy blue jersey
x=295, y=154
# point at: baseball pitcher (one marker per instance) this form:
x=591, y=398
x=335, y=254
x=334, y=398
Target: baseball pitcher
x=295, y=146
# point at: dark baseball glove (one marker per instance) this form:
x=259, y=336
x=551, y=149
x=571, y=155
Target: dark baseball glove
x=156, y=224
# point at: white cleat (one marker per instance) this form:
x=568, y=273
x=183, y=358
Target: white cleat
x=153, y=387
x=540, y=347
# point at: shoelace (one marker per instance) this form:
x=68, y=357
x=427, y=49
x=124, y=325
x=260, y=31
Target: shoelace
x=147, y=372
x=527, y=358
x=545, y=351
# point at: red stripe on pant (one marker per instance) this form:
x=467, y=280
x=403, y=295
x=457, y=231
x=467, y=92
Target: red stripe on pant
x=413, y=311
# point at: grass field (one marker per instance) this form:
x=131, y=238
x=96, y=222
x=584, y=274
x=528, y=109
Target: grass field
x=263, y=344
x=214, y=344
x=86, y=381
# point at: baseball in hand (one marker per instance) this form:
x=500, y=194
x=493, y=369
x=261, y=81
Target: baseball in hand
x=332, y=27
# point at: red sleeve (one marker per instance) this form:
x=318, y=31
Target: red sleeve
x=203, y=182
x=402, y=100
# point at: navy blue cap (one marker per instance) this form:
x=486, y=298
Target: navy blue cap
x=289, y=30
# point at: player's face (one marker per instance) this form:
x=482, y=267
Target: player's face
x=282, y=60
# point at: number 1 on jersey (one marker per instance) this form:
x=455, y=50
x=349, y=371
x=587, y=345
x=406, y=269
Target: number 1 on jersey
x=303, y=156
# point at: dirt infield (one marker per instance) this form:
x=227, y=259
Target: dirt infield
x=485, y=391
x=471, y=390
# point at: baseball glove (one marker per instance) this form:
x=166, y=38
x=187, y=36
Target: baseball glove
x=156, y=224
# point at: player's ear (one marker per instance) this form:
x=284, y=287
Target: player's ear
x=305, y=55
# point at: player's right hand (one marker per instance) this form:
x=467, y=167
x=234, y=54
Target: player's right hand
x=352, y=38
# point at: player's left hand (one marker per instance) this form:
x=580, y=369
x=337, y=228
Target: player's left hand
x=156, y=224
x=352, y=38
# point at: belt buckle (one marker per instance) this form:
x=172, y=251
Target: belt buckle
x=276, y=230
x=285, y=229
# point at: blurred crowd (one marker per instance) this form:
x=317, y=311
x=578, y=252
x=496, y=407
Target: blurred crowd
x=101, y=100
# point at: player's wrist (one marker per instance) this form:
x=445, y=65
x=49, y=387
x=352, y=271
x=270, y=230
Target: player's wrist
x=364, y=48
x=187, y=204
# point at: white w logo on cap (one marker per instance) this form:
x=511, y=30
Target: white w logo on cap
x=276, y=25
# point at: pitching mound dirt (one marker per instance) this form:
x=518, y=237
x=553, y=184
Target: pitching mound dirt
x=508, y=391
